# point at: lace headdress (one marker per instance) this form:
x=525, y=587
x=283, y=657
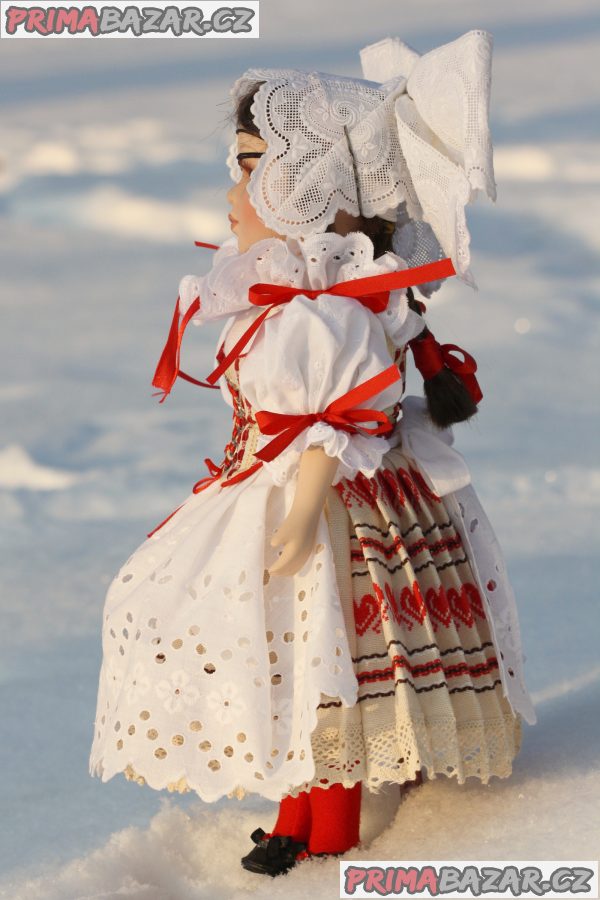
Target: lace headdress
x=409, y=142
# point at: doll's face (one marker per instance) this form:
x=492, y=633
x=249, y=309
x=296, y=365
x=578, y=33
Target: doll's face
x=245, y=223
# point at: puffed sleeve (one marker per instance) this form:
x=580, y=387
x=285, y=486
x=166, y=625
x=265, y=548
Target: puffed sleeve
x=308, y=354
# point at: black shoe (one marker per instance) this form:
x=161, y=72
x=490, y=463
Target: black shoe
x=273, y=855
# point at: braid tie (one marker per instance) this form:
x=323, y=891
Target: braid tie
x=431, y=357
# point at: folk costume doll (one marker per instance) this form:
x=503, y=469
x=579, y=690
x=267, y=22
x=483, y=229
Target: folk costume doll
x=329, y=609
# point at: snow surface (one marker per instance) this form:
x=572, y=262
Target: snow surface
x=112, y=164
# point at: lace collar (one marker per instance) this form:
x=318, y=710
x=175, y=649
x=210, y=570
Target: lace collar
x=314, y=261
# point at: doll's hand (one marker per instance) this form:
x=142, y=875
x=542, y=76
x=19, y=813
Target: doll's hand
x=297, y=533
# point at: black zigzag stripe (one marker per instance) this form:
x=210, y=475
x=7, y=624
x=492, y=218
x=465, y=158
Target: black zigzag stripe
x=389, y=569
x=434, y=526
x=402, y=533
x=358, y=659
x=454, y=562
x=354, y=536
x=432, y=687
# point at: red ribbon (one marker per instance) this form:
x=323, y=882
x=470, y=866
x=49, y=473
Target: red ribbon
x=372, y=291
x=431, y=357
x=342, y=413
x=164, y=521
x=209, y=246
x=203, y=483
x=217, y=471
x=168, y=369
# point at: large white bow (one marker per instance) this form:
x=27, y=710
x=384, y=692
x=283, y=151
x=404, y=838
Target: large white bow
x=442, y=110
x=431, y=448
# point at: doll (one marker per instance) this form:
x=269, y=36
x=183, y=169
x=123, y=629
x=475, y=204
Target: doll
x=329, y=609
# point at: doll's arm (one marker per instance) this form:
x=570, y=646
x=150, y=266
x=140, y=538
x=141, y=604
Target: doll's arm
x=310, y=355
x=297, y=532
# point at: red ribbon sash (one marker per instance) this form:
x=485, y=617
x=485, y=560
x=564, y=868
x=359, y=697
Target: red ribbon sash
x=217, y=471
x=342, y=413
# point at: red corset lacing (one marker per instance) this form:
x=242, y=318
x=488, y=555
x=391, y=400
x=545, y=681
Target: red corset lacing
x=243, y=420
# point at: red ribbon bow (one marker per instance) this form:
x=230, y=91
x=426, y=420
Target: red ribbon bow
x=342, y=413
x=372, y=291
x=431, y=357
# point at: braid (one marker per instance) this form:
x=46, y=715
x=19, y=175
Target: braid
x=448, y=399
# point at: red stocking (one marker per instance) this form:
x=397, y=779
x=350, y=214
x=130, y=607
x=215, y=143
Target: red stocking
x=335, y=818
x=294, y=817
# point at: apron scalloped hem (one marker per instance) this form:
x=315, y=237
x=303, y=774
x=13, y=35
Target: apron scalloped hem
x=476, y=750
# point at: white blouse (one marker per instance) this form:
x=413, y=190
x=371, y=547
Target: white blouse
x=308, y=352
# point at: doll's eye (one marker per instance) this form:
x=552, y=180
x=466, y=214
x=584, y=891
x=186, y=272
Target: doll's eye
x=247, y=163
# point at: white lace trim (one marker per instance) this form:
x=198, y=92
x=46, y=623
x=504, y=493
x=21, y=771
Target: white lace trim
x=356, y=453
x=416, y=242
x=479, y=749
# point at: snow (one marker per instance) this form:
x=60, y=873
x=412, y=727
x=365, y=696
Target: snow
x=19, y=470
x=112, y=164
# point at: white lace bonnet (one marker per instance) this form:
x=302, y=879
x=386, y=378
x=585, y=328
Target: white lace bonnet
x=411, y=145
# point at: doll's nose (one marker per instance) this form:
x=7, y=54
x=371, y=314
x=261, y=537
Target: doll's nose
x=231, y=195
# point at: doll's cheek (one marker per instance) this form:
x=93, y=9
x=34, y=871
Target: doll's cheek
x=248, y=214
x=238, y=198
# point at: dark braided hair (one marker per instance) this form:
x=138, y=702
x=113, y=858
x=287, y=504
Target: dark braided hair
x=448, y=400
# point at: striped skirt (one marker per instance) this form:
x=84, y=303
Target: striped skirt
x=430, y=694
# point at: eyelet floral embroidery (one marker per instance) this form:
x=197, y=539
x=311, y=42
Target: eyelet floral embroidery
x=282, y=716
x=177, y=691
x=139, y=684
x=114, y=676
x=225, y=704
